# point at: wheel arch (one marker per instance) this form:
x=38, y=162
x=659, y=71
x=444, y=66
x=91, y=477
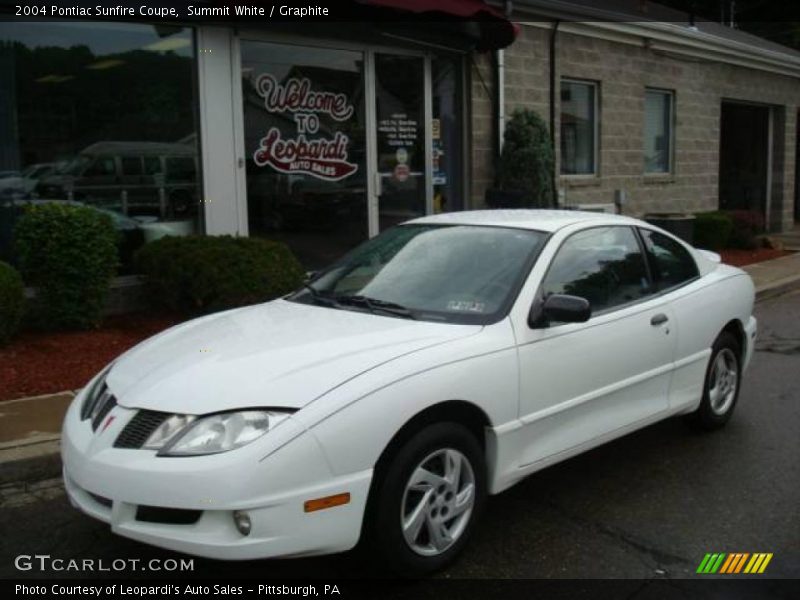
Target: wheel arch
x=462, y=412
x=736, y=329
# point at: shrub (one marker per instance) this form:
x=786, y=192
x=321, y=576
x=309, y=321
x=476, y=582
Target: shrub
x=712, y=230
x=199, y=274
x=69, y=254
x=526, y=164
x=747, y=224
x=12, y=302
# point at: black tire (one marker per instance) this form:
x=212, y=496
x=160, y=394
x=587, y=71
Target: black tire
x=383, y=532
x=712, y=414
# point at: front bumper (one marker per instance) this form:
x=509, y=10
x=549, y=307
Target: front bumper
x=750, y=333
x=271, y=485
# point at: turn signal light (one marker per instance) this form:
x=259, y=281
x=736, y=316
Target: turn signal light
x=326, y=502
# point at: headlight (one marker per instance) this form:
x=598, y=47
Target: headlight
x=212, y=434
x=91, y=402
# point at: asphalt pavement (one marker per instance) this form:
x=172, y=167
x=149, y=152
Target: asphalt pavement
x=649, y=505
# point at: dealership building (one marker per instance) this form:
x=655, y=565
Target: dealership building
x=326, y=134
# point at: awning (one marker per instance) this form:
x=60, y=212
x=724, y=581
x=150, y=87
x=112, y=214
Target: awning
x=496, y=31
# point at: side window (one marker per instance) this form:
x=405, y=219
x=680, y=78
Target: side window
x=180, y=169
x=672, y=263
x=152, y=165
x=605, y=265
x=131, y=165
x=101, y=166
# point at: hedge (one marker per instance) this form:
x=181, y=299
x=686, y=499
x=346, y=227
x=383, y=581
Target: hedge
x=12, y=302
x=202, y=274
x=68, y=253
x=712, y=230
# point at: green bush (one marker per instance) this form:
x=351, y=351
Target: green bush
x=712, y=230
x=526, y=164
x=68, y=254
x=200, y=274
x=12, y=302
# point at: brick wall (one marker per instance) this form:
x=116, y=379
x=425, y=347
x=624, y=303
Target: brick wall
x=623, y=72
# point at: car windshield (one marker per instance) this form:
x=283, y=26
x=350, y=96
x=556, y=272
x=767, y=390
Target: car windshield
x=453, y=273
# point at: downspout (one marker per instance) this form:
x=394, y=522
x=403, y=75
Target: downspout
x=500, y=98
x=553, y=34
x=500, y=91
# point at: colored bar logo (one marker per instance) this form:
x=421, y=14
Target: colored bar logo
x=735, y=562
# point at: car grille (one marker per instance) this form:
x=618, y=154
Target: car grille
x=139, y=428
x=107, y=402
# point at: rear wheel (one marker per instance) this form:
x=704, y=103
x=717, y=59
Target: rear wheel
x=721, y=388
x=427, y=500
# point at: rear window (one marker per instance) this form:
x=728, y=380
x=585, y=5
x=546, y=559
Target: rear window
x=672, y=263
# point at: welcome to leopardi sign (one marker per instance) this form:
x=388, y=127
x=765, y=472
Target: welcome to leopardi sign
x=317, y=156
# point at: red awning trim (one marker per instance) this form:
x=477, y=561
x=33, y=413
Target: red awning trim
x=498, y=31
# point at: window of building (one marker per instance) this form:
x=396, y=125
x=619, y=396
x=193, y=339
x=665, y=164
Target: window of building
x=89, y=112
x=672, y=263
x=658, y=131
x=578, y=127
x=605, y=265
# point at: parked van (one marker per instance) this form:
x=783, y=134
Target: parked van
x=135, y=178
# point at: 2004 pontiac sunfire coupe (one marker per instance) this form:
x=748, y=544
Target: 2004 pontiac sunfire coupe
x=439, y=362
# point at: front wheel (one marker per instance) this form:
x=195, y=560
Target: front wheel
x=721, y=387
x=427, y=500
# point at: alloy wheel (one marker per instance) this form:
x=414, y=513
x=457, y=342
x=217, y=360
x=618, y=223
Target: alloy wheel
x=723, y=382
x=438, y=502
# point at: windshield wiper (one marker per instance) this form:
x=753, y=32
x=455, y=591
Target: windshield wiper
x=374, y=305
x=317, y=297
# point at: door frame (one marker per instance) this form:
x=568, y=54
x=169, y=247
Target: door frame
x=368, y=51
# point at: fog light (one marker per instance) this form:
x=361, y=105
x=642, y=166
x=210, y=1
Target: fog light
x=242, y=521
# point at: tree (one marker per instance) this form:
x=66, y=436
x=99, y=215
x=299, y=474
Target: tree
x=526, y=163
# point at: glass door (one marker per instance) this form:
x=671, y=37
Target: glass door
x=402, y=100
x=305, y=139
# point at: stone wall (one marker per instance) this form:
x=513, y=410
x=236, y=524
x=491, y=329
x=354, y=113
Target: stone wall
x=623, y=71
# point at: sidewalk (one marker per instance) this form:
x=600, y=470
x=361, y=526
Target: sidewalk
x=30, y=427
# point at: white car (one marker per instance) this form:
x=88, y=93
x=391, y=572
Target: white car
x=439, y=362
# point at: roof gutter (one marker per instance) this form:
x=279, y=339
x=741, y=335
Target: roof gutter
x=667, y=36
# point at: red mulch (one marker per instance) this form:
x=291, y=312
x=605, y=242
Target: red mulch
x=740, y=258
x=38, y=363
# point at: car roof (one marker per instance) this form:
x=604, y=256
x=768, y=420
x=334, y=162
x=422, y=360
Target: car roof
x=538, y=219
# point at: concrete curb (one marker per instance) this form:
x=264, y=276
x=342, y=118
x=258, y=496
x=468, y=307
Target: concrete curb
x=777, y=288
x=34, y=459
x=32, y=462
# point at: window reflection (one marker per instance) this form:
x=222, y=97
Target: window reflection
x=603, y=265
x=101, y=114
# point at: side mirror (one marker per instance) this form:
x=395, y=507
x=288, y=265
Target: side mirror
x=560, y=308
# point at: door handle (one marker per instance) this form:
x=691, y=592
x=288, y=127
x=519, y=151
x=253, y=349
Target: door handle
x=659, y=319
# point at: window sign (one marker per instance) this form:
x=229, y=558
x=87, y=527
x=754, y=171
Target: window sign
x=305, y=147
x=306, y=152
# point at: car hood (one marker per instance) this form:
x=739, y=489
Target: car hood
x=278, y=354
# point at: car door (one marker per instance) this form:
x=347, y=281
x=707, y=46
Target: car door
x=696, y=310
x=582, y=383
